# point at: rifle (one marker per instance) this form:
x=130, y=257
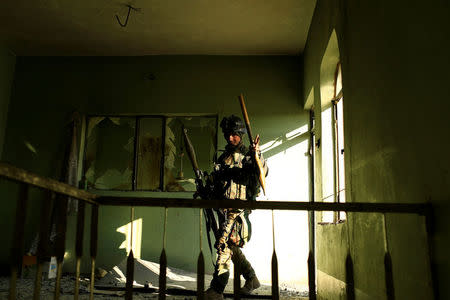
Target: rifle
x=262, y=175
x=204, y=190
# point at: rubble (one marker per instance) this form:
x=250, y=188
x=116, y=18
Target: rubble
x=110, y=284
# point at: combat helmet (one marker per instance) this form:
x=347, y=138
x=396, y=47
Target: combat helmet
x=233, y=124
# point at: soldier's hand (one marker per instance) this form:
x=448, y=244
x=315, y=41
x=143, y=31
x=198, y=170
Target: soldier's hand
x=255, y=145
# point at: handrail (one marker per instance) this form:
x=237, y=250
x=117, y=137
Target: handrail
x=17, y=174
x=415, y=208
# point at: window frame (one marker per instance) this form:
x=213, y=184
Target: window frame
x=138, y=118
x=338, y=216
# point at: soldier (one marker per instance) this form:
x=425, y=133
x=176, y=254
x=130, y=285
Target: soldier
x=235, y=176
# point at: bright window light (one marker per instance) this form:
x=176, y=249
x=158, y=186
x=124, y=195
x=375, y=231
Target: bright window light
x=287, y=181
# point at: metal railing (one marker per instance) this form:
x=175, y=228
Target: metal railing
x=59, y=189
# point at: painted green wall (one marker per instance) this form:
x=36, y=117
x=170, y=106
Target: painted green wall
x=7, y=63
x=48, y=89
x=395, y=68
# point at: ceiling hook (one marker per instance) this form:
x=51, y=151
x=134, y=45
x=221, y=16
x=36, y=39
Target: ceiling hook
x=128, y=15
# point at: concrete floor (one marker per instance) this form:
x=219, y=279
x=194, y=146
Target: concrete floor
x=180, y=283
x=25, y=289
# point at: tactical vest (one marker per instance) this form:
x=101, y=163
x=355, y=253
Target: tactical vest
x=242, y=184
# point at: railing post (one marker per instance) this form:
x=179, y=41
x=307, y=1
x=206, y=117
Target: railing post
x=61, y=226
x=130, y=262
x=162, y=275
x=311, y=256
x=429, y=230
x=275, y=289
x=388, y=273
x=94, y=238
x=200, y=276
x=43, y=243
x=200, y=263
x=129, y=276
x=311, y=276
x=17, y=248
x=79, y=245
x=163, y=263
x=349, y=277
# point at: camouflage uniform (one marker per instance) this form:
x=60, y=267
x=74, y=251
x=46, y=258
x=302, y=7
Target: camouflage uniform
x=235, y=177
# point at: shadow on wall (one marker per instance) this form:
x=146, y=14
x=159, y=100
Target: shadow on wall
x=284, y=142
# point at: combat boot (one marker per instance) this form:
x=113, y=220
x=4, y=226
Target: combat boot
x=250, y=285
x=211, y=294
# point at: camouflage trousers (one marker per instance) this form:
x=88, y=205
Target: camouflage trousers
x=228, y=252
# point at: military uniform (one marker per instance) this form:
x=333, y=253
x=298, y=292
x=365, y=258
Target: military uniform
x=235, y=177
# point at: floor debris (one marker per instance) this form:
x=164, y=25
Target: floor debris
x=181, y=285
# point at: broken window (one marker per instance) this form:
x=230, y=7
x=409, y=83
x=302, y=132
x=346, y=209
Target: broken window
x=109, y=153
x=178, y=172
x=147, y=153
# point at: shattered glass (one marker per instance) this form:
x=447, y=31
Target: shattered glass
x=178, y=172
x=110, y=150
x=110, y=153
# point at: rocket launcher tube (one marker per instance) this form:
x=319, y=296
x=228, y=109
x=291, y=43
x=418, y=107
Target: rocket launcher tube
x=262, y=175
x=191, y=153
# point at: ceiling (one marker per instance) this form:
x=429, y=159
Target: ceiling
x=184, y=27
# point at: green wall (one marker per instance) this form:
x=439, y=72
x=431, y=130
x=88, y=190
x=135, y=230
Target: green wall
x=7, y=63
x=395, y=68
x=48, y=89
